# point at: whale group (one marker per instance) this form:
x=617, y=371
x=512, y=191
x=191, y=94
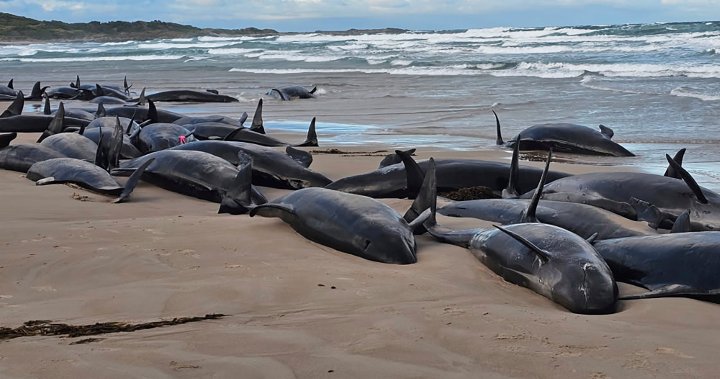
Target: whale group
x=568, y=237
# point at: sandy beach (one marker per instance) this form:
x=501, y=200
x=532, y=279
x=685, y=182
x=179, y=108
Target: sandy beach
x=294, y=308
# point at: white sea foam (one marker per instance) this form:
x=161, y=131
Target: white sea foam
x=94, y=59
x=401, y=62
x=223, y=39
x=232, y=51
x=694, y=93
x=443, y=71
x=191, y=45
x=124, y=43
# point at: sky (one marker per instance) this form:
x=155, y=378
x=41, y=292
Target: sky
x=311, y=15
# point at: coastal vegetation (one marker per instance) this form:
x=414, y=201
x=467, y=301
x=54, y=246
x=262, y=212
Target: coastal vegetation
x=17, y=28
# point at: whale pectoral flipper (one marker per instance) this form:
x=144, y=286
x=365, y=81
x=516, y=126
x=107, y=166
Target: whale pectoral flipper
x=418, y=224
x=243, y=118
x=425, y=199
x=688, y=179
x=414, y=174
x=674, y=290
x=300, y=156
x=511, y=191
x=678, y=158
x=273, y=210
x=133, y=181
x=45, y=181
x=542, y=254
x=530, y=213
x=648, y=212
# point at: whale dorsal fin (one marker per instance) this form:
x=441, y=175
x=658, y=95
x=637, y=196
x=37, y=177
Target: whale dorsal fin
x=77, y=82
x=313, y=90
x=113, y=151
x=607, y=132
x=511, y=192
x=239, y=198
x=46, y=108
x=592, y=238
x=100, y=156
x=499, y=140
x=6, y=138
x=257, y=122
x=542, y=254
x=10, y=84
x=142, y=100
x=99, y=91
x=678, y=158
x=311, y=138
x=688, y=179
x=100, y=112
x=37, y=91
x=130, y=124
x=56, y=125
x=530, y=213
x=682, y=223
x=152, y=114
x=15, y=107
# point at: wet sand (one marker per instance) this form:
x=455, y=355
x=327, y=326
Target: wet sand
x=294, y=308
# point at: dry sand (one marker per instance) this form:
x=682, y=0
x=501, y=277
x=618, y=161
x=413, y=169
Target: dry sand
x=295, y=308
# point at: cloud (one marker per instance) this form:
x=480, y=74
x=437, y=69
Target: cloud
x=52, y=5
x=316, y=14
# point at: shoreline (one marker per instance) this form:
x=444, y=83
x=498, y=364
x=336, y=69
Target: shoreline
x=295, y=308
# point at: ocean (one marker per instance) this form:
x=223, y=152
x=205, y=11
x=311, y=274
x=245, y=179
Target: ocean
x=656, y=85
